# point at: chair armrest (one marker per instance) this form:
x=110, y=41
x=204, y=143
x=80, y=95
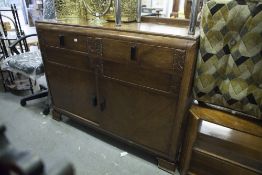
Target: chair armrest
x=13, y=45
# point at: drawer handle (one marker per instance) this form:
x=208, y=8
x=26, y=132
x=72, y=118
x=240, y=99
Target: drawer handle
x=133, y=53
x=61, y=40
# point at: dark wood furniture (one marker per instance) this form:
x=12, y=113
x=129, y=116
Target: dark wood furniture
x=220, y=143
x=132, y=82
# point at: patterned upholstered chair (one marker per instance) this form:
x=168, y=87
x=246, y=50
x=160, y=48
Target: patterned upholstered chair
x=229, y=65
x=30, y=64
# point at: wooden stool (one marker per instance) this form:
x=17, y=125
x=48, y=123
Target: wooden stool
x=220, y=143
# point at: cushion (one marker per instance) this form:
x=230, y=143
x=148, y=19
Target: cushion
x=29, y=64
x=229, y=65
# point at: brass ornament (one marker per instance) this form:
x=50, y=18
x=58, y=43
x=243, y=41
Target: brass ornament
x=128, y=11
x=67, y=8
x=88, y=8
x=97, y=8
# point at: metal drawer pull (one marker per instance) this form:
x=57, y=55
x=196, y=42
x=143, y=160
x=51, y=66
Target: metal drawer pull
x=133, y=53
x=61, y=40
x=75, y=40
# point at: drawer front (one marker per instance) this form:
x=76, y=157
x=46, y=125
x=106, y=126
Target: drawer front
x=143, y=55
x=155, y=67
x=68, y=58
x=215, y=166
x=155, y=57
x=66, y=40
x=116, y=50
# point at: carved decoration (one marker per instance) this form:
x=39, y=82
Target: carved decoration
x=178, y=67
x=95, y=46
x=97, y=7
x=179, y=60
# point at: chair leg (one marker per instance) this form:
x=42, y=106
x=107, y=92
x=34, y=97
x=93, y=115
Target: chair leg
x=11, y=76
x=33, y=97
x=31, y=86
x=46, y=110
x=3, y=79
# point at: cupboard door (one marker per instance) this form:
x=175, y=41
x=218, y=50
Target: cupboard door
x=73, y=90
x=137, y=114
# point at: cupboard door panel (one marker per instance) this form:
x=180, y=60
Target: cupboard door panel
x=73, y=90
x=59, y=85
x=137, y=115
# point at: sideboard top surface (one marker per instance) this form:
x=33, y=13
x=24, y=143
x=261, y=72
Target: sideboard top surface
x=161, y=29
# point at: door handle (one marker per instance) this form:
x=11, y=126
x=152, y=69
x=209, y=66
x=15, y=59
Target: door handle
x=133, y=53
x=102, y=104
x=94, y=101
x=61, y=40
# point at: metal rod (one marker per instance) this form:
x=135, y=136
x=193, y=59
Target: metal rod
x=3, y=79
x=118, y=12
x=4, y=48
x=193, y=17
x=18, y=21
x=8, y=18
x=139, y=10
x=5, y=10
x=16, y=25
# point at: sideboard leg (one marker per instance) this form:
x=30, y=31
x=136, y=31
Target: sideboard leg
x=166, y=165
x=56, y=115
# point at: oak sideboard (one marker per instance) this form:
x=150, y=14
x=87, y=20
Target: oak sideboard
x=131, y=82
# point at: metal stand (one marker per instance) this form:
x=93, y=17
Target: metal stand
x=118, y=12
x=139, y=10
x=41, y=94
x=193, y=17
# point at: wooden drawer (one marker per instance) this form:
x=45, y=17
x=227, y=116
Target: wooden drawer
x=205, y=164
x=72, y=41
x=155, y=57
x=68, y=58
x=143, y=55
x=117, y=50
x=155, y=67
